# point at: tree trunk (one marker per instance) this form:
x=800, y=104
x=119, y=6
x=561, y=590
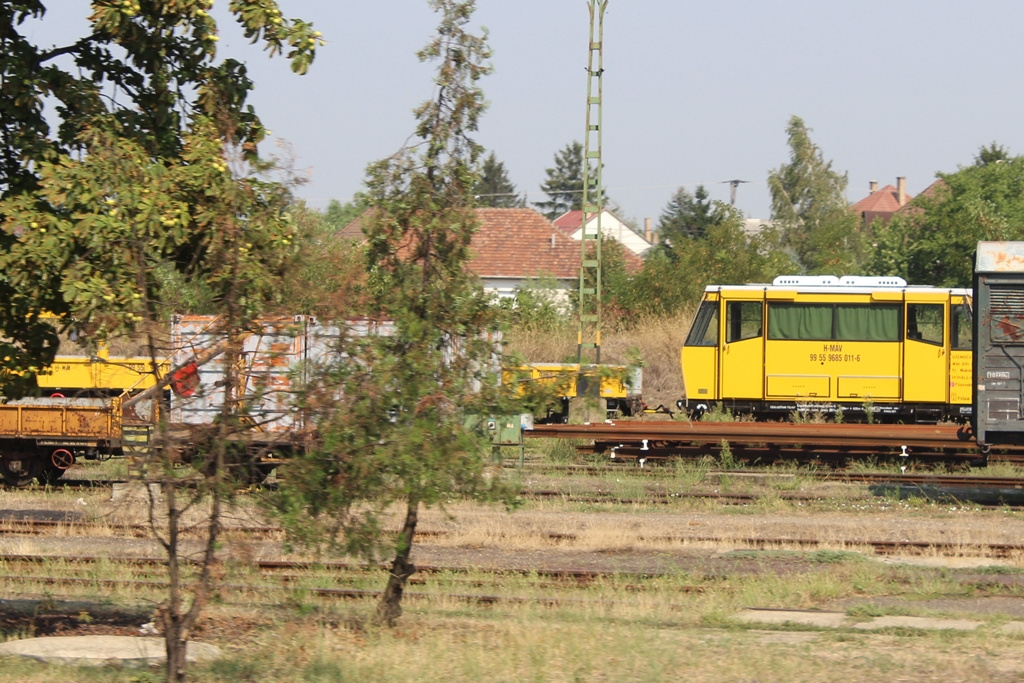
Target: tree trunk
x=390, y=606
x=174, y=639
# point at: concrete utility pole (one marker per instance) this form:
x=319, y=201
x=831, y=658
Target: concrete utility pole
x=733, y=184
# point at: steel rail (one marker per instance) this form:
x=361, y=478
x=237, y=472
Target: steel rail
x=881, y=547
x=780, y=433
x=278, y=565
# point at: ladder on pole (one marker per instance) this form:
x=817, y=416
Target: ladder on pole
x=589, y=336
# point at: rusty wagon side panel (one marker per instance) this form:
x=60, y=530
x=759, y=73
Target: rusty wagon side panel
x=42, y=437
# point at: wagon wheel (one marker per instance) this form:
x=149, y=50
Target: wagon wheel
x=252, y=472
x=18, y=479
x=53, y=464
x=49, y=474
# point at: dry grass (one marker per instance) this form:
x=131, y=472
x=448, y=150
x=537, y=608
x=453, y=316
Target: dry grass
x=675, y=627
x=553, y=525
x=679, y=628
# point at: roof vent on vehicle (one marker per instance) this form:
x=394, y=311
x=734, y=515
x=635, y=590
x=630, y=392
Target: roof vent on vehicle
x=866, y=281
x=806, y=280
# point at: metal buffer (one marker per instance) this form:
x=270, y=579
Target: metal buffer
x=589, y=336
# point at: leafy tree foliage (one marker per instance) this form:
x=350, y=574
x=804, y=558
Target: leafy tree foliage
x=394, y=406
x=326, y=275
x=494, y=188
x=564, y=182
x=337, y=215
x=132, y=193
x=97, y=232
x=933, y=243
x=810, y=208
x=144, y=82
x=686, y=216
x=723, y=255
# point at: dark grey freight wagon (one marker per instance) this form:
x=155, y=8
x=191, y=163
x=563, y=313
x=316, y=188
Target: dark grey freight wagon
x=998, y=344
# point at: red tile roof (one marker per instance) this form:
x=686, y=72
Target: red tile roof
x=885, y=200
x=510, y=243
x=569, y=222
x=937, y=189
x=522, y=243
x=880, y=204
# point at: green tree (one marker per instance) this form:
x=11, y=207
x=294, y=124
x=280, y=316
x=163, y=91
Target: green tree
x=395, y=407
x=144, y=71
x=494, y=188
x=686, y=216
x=809, y=207
x=564, y=182
x=991, y=154
x=149, y=180
x=325, y=277
x=723, y=255
x=933, y=242
x=337, y=215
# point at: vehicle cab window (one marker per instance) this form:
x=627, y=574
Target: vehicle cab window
x=963, y=334
x=743, y=320
x=925, y=323
x=705, y=326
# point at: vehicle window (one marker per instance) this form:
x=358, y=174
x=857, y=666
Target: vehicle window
x=846, y=322
x=924, y=323
x=704, y=331
x=742, y=320
x=868, y=322
x=799, y=321
x=963, y=334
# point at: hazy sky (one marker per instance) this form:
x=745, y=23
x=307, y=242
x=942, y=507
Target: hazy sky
x=694, y=92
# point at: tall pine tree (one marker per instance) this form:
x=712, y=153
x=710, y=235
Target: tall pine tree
x=687, y=216
x=564, y=183
x=494, y=189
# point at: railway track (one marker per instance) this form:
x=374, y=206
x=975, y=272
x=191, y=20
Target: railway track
x=776, y=441
x=293, y=570
x=990, y=490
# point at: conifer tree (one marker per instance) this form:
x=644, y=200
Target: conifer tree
x=564, y=182
x=687, y=216
x=494, y=188
x=395, y=409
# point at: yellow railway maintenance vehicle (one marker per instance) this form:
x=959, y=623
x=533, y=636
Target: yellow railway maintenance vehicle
x=865, y=347
x=99, y=375
x=621, y=387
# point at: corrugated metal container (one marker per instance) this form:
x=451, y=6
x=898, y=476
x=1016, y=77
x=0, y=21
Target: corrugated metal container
x=277, y=359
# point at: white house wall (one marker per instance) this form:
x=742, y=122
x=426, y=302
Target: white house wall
x=617, y=230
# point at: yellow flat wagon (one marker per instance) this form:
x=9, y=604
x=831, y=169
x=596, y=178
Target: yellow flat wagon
x=41, y=437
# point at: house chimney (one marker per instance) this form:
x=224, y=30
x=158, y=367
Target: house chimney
x=647, y=231
x=901, y=190
x=872, y=186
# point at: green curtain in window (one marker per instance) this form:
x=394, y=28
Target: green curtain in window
x=867, y=322
x=800, y=321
